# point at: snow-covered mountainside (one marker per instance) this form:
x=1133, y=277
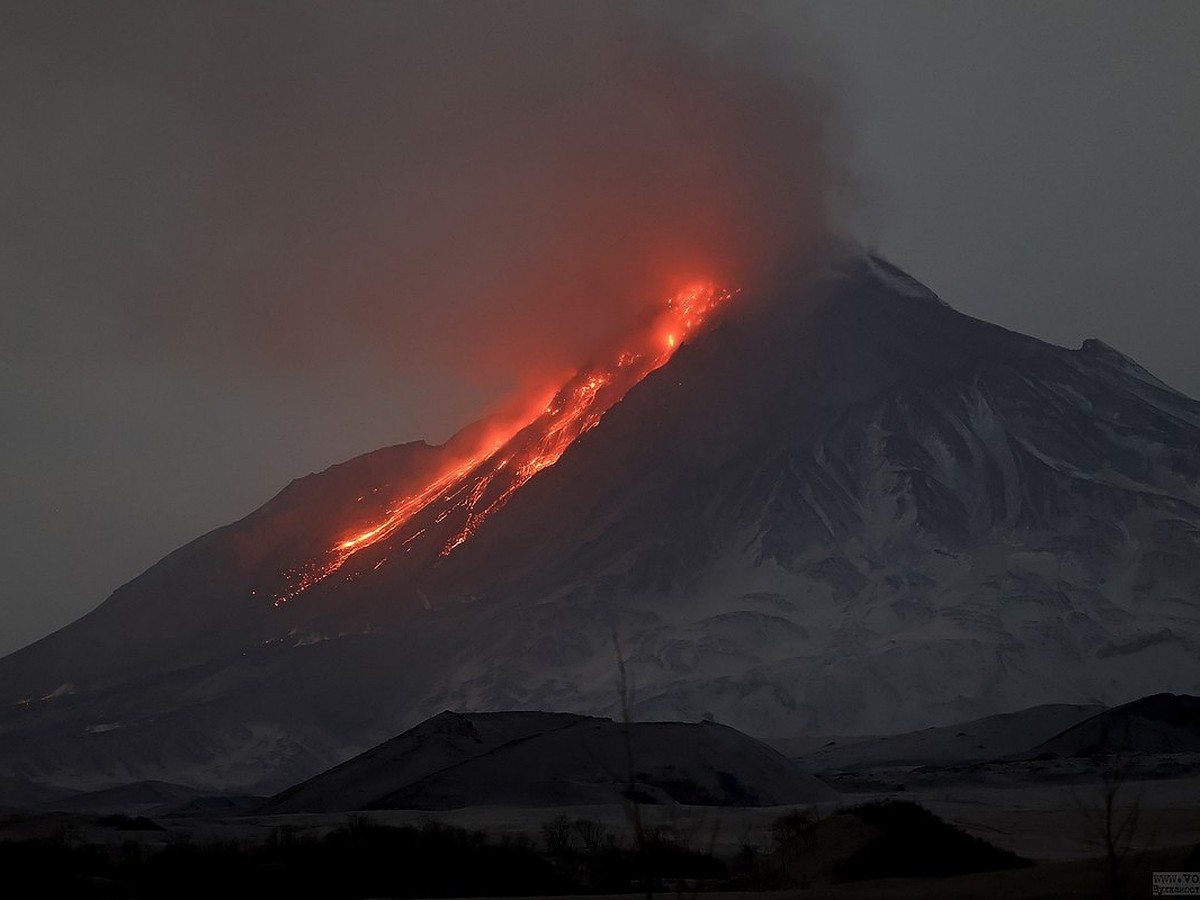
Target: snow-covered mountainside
x=845, y=508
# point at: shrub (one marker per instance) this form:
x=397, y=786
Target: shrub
x=913, y=842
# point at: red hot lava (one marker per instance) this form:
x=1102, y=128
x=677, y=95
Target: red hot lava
x=453, y=505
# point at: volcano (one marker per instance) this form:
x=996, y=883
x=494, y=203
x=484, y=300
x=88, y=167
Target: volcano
x=831, y=505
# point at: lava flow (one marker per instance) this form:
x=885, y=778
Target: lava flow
x=452, y=506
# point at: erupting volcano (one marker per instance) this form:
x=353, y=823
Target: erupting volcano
x=451, y=506
x=849, y=509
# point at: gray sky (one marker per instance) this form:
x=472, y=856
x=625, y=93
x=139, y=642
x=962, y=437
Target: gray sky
x=242, y=243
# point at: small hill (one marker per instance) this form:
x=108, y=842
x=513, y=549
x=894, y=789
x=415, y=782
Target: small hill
x=1160, y=723
x=443, y=741
x=21, y=793
x=135, y=797
x=980, y=739
x=547, y=759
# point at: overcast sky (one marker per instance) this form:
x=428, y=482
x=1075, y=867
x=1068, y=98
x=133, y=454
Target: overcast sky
x=240, y=243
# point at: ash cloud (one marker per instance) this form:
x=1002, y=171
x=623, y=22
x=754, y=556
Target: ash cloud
x=483, y=189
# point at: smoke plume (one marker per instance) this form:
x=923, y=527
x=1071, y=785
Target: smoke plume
x=484, y=188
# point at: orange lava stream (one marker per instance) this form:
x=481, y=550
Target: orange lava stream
x=477, y=487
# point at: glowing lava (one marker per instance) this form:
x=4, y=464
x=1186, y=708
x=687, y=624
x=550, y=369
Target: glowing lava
x=452, y=506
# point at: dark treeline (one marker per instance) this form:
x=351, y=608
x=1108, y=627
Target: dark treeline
x=361, y=859
x=574, y=856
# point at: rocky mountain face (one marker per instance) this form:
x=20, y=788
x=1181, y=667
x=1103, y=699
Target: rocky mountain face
x=844, y=508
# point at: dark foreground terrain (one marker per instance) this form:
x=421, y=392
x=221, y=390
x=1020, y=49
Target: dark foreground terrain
x=1053, y=801
x=1040, y=840
x=121, y=856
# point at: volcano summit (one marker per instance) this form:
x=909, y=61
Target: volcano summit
x=831, y=506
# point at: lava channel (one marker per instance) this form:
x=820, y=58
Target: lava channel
x=475, y=488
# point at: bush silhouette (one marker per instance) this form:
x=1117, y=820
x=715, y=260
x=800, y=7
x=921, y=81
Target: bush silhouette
x=913, y=842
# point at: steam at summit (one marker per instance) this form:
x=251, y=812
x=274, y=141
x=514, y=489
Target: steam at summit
x=485, y=190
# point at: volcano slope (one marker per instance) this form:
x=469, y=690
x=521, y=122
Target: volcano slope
x=842, y=507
